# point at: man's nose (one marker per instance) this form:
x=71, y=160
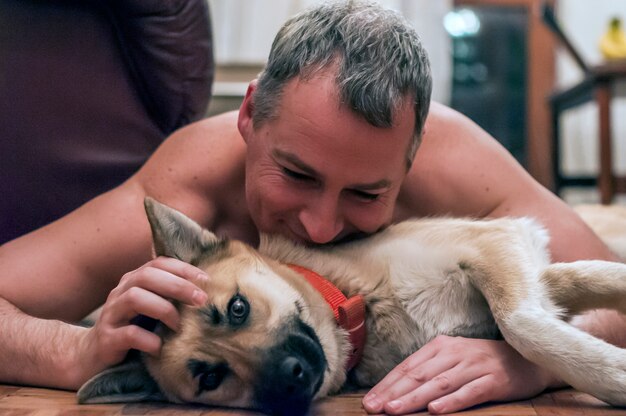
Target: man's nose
x=322, y=220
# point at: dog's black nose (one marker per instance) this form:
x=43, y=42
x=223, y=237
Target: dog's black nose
x=289, y=386
x=293, y=374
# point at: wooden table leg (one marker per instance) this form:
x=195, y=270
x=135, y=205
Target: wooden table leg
x=605, y=178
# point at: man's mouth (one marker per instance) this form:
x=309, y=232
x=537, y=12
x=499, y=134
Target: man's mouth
x=341, y=239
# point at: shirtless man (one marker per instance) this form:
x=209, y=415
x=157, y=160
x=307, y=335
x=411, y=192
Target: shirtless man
x=322, y=150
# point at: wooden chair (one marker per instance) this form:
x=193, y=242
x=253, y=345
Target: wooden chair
x=598, y=84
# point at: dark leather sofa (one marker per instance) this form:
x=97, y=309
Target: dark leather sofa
x=88, y=90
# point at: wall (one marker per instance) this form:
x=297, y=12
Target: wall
x=244, y=30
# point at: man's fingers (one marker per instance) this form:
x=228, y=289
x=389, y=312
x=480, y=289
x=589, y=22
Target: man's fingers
x=408, y=375
x=139, y=301
x=137, y=338
x=421, y=379
x=114, y=344
x=439, y=386
x=166, y=284
x=407, y=366
x=179, y=268
x=471, y=394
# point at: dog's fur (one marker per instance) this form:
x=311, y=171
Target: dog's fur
x=419, y=278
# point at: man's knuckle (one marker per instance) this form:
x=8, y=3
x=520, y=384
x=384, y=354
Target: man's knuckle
x=442, y=339
x=131, y=334
x=190, y=270
x=438, y=339
x=133, y=295
x=477, y=391
x=182, y=290
x=108, y=308
x=113, y=294
x=143, y=275
x=168, y=312
x=125, y=278
x=478, y=359
x=405, y=368
x=158, y=261
x=418, y=377
x=103, y=334
x=442, y=382
x=456, y=401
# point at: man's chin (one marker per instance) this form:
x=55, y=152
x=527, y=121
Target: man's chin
x=342, y=238
x=335, y=242
x=349, y=238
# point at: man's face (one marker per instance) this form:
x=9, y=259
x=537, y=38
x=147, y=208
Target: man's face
x=319, y=173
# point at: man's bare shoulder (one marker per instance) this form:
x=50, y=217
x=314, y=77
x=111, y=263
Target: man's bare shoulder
x=197, y=166
x=459, y=170
x=214, y=138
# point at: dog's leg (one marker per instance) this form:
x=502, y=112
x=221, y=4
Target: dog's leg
x=529, y=321
x=585, y=285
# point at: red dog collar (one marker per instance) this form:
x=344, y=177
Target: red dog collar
x=349, y=313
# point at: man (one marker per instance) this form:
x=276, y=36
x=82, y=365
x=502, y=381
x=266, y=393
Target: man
x=322, y=150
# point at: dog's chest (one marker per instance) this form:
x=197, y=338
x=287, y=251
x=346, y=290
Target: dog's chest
x=426, y=292
x=445, y=303
x=432, y=286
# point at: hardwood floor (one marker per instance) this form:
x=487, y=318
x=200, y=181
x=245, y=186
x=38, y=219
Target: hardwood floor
x=27, y=401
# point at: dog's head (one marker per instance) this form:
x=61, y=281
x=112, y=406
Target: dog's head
x=264, y=340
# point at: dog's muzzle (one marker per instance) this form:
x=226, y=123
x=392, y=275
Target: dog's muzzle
x=292, y=373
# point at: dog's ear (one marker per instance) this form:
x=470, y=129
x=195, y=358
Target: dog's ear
x=176, y=235
x=128, y=382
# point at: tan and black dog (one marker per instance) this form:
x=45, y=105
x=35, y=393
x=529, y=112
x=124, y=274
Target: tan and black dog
x=267, y=338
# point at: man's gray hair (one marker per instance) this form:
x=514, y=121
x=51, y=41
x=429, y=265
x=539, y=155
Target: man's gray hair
x=379, y=57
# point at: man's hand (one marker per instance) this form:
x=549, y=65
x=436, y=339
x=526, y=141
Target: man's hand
x=145, y=291
x=453, y=373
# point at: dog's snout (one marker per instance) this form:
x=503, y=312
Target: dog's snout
x=295, y=374
x=292, y=373
x=289, y=384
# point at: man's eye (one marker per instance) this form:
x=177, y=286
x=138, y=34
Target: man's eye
x=366, y=195
x=296, y=175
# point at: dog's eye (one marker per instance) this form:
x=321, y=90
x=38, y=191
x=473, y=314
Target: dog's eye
x=212, y=377
x=238, y=310
x=210, y=380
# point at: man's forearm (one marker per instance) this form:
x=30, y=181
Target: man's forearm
x=38, y=352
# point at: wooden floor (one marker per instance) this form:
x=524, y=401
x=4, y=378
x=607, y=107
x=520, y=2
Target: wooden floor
x=26, y=401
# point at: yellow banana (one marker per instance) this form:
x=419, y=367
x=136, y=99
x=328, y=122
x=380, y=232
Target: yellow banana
x=613, y=42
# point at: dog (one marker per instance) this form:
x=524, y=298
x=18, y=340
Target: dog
x=274, y=335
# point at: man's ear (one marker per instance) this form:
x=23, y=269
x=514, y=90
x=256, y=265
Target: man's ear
x=128, y=382
x=244, y=122
x=176, y=235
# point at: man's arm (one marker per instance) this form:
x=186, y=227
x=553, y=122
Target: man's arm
x=34, y=349
x=460, y=170
x=63, y=271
